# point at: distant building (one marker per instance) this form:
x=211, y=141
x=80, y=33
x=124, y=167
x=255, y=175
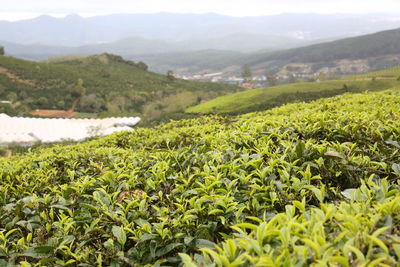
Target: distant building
x=248, y=85
x=216, y=79
x=213, y=74
x=30, y=130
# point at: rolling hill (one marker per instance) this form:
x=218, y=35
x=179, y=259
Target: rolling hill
x=104, y=84
x=266, y=98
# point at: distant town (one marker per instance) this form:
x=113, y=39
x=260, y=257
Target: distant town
x=260, y=79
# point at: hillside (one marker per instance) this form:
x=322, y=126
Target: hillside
x=228, y=53
x=303, y=184
x=346, y=56
x=372, y=47
x=192, y=62
x=266, y=98
x=104, y=84
x=391, y=73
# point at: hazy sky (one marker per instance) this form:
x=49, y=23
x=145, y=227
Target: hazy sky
x=20, y=9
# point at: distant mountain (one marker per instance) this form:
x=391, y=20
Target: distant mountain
x=74, y=30
x=351, y=55
x=105, y=84
x=244, y=42
x=191, y=62
x=240, y=42
x=229, y=53
x=36, y=51
x=366, y=46
x=346, y=56
x=135, y=46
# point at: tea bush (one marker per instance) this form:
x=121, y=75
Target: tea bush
x=304, y=184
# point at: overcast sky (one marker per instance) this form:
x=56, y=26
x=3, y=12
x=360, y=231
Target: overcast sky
x=21, y=9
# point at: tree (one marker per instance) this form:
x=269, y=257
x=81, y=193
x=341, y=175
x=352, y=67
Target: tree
x=77, y=89
x=291, y=78
x=246, y=73
x=271, y=78
x=2, y=51
x=42, y=101
x=90, y=103
x=170, y=75
x=12, y=96
x=143, y=66
x=61, y=104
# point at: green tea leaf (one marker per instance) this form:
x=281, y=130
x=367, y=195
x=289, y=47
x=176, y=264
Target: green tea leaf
x=119, y=234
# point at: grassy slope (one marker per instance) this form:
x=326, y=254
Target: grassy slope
x=302, y=184
x=391, y=73
x=264, y=98
x=113, y=86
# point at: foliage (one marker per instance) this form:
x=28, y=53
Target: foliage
x=170, y=75
x=246, y=73
x=271, y=78
x=304, y=184
x=353, y=233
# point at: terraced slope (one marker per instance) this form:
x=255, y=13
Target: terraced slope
x=266, y=98
x=303, y=184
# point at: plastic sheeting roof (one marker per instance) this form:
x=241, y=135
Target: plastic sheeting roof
x=30, y=130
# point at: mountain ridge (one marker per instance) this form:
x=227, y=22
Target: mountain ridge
x=75, y=30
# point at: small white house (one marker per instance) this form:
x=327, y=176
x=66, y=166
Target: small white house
x=31, y=130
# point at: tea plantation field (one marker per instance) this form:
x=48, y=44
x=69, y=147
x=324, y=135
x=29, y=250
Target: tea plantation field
x=304, y=184
x=270, y=97
x=387, y=73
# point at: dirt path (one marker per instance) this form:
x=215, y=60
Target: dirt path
x=16, y=78
x=74, y=103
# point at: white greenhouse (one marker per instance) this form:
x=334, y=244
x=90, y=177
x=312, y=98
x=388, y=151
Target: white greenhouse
x=31, y=130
